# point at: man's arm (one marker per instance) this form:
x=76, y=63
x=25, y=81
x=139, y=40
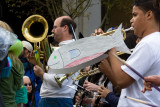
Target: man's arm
x=45, y=76
x=112, y=68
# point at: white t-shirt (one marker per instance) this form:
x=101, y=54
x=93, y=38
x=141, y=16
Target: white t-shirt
x=50, y=88
x=146, y=60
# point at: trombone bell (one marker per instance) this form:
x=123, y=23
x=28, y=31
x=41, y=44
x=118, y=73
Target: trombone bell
x=35, y=28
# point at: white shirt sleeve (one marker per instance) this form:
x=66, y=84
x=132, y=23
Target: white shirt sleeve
x=141, y=60
x=49, y=78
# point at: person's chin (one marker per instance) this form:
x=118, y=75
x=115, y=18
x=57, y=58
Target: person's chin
x=28, y=92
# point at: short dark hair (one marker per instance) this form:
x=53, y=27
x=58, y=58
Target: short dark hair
x=146, y=5
x=68, y=22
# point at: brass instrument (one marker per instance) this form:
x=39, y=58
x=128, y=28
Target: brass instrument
x=124, y=36
x=121, y=53
x=89, y=73
x=35, y=29
x=59, y=80
x=112, y=31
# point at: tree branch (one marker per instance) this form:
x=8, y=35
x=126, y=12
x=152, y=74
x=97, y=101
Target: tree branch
x=49, y=10
x=84, y=9
x=28, y=1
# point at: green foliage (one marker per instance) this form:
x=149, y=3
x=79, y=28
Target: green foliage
x=125, y=5
x=121, y=5
x=74, y=8
x=51, y=9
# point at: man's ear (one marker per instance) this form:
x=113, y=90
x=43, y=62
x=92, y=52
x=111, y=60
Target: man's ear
x=65, y=27
x=149, y=14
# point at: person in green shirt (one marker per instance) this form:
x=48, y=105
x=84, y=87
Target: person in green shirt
x=9, y=85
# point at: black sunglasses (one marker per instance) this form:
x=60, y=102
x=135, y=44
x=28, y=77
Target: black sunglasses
x=28, y=84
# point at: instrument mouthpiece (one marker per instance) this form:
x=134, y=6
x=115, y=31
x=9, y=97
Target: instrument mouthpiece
x=131, y=28
x=52, y=35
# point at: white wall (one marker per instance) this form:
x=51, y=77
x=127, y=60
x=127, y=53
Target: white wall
x=90, y=19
